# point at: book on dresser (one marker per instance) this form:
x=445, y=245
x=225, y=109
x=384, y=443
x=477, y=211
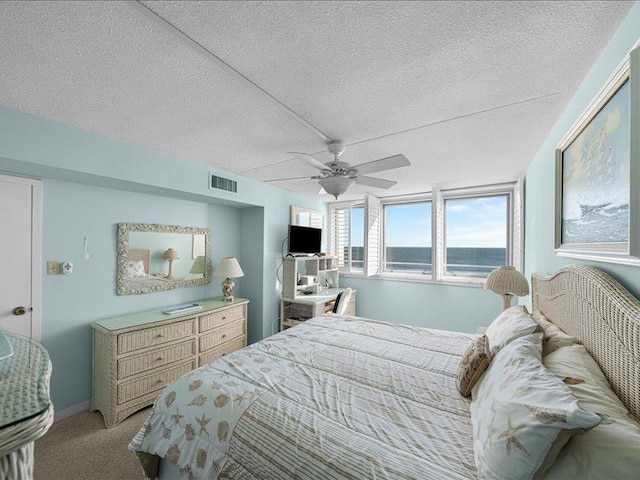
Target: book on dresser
x=135, y=356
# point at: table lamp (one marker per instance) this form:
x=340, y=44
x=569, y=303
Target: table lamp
x=170, y=254
x=198, y=265
x=507, y=282
x=228, y=268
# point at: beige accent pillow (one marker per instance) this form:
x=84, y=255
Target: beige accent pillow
x=554, y=337
x=474, y=362
x=522, y=414
x=514, y=322
x=612, y=449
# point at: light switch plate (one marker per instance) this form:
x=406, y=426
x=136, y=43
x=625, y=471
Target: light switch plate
x=53, y=267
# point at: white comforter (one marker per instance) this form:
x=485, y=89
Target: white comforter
x=336, y=397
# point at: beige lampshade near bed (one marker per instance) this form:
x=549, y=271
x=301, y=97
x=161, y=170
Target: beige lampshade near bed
x=507, y=282
x=228, y=268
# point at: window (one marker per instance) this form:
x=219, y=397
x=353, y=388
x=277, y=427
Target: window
x=451, y=236
x=475, y=235
x=347, y=237
x=407, y=237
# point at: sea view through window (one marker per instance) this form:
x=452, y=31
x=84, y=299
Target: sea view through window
x=473, y=231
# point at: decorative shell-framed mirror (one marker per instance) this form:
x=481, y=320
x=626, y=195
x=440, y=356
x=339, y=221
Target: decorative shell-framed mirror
x=154, y=257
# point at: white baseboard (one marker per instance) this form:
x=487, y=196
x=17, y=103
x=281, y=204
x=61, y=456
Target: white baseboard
x=72, y=410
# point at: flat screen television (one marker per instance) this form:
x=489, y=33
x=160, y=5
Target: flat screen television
x=304, y=240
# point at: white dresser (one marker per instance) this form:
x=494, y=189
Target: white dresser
x=136, y=356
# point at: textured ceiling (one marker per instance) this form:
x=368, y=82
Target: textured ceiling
x=467, y=91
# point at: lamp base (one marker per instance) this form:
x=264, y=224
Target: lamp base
x=228, y=290
x=506, y=301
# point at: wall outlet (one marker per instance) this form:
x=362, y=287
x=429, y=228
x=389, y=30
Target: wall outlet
x=53, y=267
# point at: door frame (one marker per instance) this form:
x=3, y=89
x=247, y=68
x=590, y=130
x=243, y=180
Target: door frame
x=36, y=250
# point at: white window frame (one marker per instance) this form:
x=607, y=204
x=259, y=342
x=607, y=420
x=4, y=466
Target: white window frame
x=423, y=198
x=437, y=197
x=348, y=268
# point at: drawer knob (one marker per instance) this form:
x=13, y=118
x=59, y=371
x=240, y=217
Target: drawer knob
x=224, y=335
x=160, y=380
x=160, y=335
x=160, y=358
x=223, y=355
x=224, y=317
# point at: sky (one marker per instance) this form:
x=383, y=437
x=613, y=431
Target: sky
x=469, y=222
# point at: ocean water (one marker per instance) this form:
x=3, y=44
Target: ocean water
x=598, y=225
x=460, y=261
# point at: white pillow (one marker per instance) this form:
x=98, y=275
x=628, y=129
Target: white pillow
x=514, y=322
x=135, y=268
x=522, y=414
x=612, y=449
x=554, y=337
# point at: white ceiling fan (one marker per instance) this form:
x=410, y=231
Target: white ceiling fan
x=336, y=176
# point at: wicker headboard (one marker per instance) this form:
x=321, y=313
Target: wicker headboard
x=139, y=254
x=593, y=307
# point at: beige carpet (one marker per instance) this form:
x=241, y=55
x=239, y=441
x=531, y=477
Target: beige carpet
x=81, y=448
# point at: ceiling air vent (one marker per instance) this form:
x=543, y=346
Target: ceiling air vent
x=222, y=183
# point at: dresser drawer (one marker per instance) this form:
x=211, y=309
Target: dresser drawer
x=129, y=342
x=222, y=350
x=222, y=335
x=143, y=385
x=156, y=358
x=217, y=319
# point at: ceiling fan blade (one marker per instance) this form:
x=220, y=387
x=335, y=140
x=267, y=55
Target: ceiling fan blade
x=375, y=182
x=388, y=163
x=322, y=192
x=285, y=179
x=311, y=161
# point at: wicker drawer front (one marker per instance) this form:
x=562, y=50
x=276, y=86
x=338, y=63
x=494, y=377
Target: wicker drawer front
x=141, y=386
x=222, y=335
x=223, y=350
x=215, y=320
x=156, y=358
x=128, y=342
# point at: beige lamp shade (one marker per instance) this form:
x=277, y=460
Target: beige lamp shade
x=170, y=254
x=228, y=268
x=198, y=265
x=507, y=282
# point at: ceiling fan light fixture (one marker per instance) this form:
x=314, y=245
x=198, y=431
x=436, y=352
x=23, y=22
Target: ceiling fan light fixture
x=336, y=185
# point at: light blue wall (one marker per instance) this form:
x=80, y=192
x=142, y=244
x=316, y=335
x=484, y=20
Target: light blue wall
x=91, y=183
x=72, y=211
x=446, y=307
x=539, y=180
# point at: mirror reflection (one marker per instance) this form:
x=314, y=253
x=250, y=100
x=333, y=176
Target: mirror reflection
x=161, y=257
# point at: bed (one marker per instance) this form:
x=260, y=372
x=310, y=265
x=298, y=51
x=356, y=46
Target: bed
x=347, y=397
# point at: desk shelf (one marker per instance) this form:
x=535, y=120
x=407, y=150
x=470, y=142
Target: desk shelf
x=319, y=271
x=294, y=311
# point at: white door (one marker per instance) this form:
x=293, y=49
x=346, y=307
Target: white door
x=20, y=244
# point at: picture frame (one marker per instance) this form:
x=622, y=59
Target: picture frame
x=596, y=212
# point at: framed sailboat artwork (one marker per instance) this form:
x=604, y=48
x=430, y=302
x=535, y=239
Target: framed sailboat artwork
x=596, y=199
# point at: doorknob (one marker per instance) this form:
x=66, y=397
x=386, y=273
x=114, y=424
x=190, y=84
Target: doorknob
x=19, y=311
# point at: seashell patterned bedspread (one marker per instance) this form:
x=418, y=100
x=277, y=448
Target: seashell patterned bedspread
x=336, y=397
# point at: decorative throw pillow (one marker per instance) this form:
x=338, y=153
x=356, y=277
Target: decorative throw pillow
x=612, y=449
x=513, y=323
x=135, y=268
x=522, y=414
x=475, y=361
x=554, y=337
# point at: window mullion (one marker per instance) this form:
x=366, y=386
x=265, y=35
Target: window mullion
x=438, y=257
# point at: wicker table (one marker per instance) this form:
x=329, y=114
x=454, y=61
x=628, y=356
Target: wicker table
x=26, y=412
